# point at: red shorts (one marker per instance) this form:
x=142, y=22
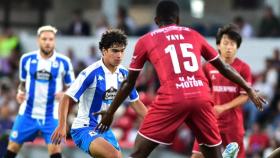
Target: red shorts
x=228, y=138
x=162, y=121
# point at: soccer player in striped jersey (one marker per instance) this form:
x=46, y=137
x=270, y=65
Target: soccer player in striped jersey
x=94, y=89
x=43, y=75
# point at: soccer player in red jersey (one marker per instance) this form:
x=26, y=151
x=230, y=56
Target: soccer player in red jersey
x=228, y=96
x=184, y=94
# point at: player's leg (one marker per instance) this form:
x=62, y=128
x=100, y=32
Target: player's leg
x=275, y=153
x=103, y=149
x=12, y=149
x=54, y=151
x=142, y=147
x=159, y=126
x=97, y=145
x=211, y=152
x=196, y=153
x=203, y=123
x=47, y=127
x=24, y=129
x=235, y=136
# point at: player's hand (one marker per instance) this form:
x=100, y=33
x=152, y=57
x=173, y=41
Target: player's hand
x=218, y=109
x=59, y=135
x=256, y=99
x=59, y=95
x=20, y=96
x=105, y=122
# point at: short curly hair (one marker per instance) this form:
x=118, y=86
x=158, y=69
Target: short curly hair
x=112, y=37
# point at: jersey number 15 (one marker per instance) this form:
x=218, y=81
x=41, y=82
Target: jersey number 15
x=186, y=54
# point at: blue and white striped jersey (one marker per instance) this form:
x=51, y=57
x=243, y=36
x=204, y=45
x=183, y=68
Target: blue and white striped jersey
x=43, y=79
x=94, y=89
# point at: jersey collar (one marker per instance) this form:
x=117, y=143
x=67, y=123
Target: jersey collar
x=52, y=58
x=106, y=70
x=168, y=25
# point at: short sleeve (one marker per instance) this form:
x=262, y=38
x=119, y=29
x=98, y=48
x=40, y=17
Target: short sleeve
x=69, y=73
x=82, y=82
x=133, y=96
x=22, y=68
x=207, y=51
x=139, y=56
x=246, y=74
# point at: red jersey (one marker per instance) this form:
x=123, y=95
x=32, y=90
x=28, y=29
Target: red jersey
x=175, y=52
x=224, y=90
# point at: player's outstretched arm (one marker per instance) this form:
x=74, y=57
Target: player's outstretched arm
x=60, y=132
x=139, y=108
x=123, y=92
x=234, y=76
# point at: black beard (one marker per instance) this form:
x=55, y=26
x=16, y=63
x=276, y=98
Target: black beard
x=46, y=52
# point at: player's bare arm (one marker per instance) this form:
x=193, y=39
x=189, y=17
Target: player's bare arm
x=60, y=132
x=122, y=94
x=227, y=71
x=21, y=92
x=139, y=108
x=238, y=101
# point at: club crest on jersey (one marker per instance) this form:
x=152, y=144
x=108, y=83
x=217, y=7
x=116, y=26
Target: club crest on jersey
x=14, y=134
x=110, y=94
x=55, y=64
x=121, y=77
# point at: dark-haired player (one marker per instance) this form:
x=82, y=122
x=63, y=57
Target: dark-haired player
x=228, y=96
x=184, y=94
x=94, y=89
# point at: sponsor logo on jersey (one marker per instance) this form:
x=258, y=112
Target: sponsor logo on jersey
x=55, y=64
x=110, y=94
x=188, y=82
x=100, y=78
x=43, y=75
x=230, y=89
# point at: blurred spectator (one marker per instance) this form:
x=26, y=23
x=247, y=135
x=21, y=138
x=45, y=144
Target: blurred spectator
x=101, y=26
x=201, y=28
x=125, y=22
x=145, y=29
x=258, y=141
x=269, y=24
x=276, y=65
x=147, y=79
x=183, y=141
x=78, y=64
x=246, y=30
x=79, y=26
x=71, y=54
x=5, y=126
x=94, y=55
x=9, y=51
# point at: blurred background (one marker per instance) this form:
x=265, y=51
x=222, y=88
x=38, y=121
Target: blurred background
x=80, y=25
